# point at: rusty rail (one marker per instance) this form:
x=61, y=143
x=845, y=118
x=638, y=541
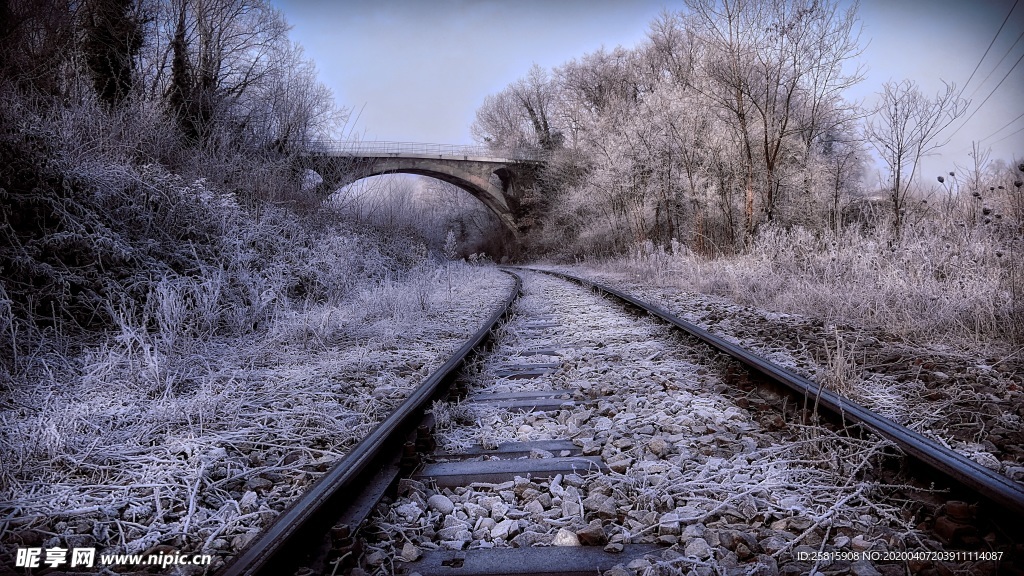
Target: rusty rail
x=306, y=520
x=1006, y=494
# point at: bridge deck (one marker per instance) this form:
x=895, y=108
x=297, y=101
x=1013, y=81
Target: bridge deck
x=424, y=150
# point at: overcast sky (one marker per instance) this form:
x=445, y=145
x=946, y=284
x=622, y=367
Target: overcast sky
x=417, y=70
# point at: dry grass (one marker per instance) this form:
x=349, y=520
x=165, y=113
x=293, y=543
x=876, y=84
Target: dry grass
x=170, y=436
x=939, y=283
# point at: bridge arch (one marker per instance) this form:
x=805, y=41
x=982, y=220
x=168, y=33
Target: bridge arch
x=472, y=174
x=474, y=184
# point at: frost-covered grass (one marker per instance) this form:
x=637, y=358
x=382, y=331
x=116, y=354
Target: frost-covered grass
x=173, y=436
x=938, y=283
x=188, y=335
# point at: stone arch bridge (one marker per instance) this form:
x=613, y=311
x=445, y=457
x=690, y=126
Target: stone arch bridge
x=495, y=177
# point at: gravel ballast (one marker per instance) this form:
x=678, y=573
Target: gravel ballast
x=720, y=487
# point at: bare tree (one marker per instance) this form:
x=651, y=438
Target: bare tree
x=499, y=122
x=37, y=41
x=906, y=128
x=843, y=163
x=776, y=67
x=289, y=107
x=520, y=115
x=221, y=50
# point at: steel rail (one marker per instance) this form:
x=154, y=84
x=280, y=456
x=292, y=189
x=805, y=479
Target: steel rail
x=995, y=487
x=342, y=481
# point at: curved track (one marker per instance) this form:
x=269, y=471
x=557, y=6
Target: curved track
x=995, y=487
x=316, y=510
x=354, y=486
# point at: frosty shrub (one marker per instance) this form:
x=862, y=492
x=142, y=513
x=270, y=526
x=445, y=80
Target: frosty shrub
x=106, y=220
x=937, y=281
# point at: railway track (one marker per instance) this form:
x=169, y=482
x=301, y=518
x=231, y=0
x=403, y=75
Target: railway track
x=590, y=440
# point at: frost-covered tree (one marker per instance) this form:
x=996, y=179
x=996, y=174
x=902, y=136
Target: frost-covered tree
x=775, y=68
x=724, y=119
x=520, y=115
x=905, y=128
x=234, y=79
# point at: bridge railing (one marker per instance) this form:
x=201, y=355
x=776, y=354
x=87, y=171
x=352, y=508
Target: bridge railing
x=382, y=148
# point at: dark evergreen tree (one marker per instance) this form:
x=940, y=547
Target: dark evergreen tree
x=180, y=94
x=113, y=35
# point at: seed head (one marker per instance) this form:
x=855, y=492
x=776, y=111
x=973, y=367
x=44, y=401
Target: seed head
x=986, y=210
x=952, y=173
x=1001, y=188
x=1018, y=183
x=941, y=179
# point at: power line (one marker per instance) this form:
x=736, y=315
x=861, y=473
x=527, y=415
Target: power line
x=990, y=44
x=994, y=68
x=1007, y=75
x=1003, y=128
x=1008, y=135
x=978, y=66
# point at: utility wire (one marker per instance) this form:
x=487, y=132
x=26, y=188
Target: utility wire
x=1007, y=75
x=1008, y=135
x=990, y=44
x=978, y=66
x=994, y=68
x=1003, y=128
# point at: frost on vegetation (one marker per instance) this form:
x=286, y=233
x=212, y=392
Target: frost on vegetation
x=934, y=283
x=179, y=430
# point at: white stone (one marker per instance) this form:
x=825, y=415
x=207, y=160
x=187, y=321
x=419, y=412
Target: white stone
x=410, y=553
x=441, y=503
x=668, y=524
x=698, y=548
x=453, y=520
x=248, y=501
x=455, y=533
x=410, y=511
x=498, y=510
x=860, y=543
x=534, y=507
x=475, y=510
x=505, y=529
x=565, y=537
